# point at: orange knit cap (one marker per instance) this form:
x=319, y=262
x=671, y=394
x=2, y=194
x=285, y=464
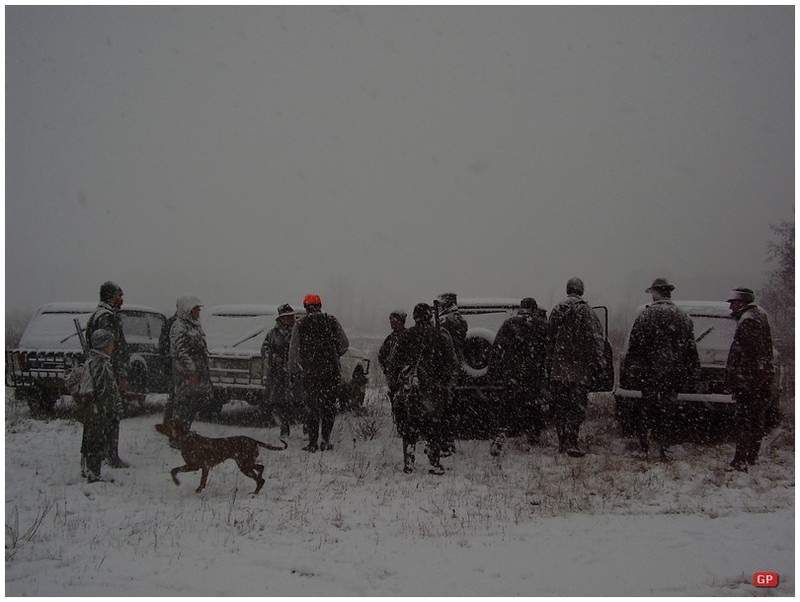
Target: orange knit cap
x=312, y=300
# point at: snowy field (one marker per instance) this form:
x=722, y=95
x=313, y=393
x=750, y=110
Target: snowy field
x=348, y=522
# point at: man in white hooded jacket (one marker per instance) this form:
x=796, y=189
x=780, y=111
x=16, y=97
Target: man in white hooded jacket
x=190, y=373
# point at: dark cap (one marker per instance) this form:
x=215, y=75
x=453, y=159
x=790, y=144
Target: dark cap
x=422, y=311
x=528, y=303
x=109, y=290
x=575, y=286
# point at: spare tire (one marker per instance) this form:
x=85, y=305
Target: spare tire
x=477, y=346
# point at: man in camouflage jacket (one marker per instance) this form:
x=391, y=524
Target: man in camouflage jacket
x=190, y=370
x=102, y=407
x=275, y=353
x=106, y=317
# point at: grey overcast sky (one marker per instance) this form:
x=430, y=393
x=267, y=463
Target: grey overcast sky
x=381, y=155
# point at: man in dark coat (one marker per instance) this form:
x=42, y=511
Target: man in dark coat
x=422, y=365
x=106, y=317
x=275, y=353
x=317, y=342
x=749, y=375
x=517, y=363
x=662, y=358
x=397, y=322
x=451, y=321
x=575, y=354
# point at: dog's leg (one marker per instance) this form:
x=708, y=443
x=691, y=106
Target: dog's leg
x=259, y=477
x=177, y=469
x=203, y=480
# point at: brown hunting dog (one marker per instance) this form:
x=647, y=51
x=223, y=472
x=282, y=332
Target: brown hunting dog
x=203, y=453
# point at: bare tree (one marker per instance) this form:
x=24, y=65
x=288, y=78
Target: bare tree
x=777, y=295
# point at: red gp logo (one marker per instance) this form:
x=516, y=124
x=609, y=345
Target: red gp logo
x=765, y=579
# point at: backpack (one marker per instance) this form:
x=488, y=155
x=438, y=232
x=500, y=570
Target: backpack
x=80, y=384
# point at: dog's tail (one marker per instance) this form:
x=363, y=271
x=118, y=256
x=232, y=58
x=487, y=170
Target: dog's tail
x=273, y=447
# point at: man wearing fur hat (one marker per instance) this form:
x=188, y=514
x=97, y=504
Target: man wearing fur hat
x=275, y=353
x=749, y=374
x=106, y=317
x=662, y=358
x=575, y=352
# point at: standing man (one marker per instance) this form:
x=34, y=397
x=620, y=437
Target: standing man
x=662, y=357
x=749, y=375
x=397, y=322
x=190, y=370
x=451, y=320
x=517, y=362
x=106, y=317
x=574, y=355
x=317, y=342
x=275, y=354
x=102, y=405
x=422, y=364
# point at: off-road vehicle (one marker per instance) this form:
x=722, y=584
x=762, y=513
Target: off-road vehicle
x=50, y=345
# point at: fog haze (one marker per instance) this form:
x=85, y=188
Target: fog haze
x=381, y=155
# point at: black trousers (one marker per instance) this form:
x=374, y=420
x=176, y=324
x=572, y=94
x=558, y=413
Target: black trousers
x=568, y=403
x=320, y=398
x=656, y=417
x=751, y=414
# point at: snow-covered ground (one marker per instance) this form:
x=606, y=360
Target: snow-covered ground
x=348, y=522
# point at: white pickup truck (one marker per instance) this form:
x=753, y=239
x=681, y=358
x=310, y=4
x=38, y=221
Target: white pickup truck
x=234, y=334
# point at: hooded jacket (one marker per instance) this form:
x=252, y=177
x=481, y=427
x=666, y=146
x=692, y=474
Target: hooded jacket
x=189, y=351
